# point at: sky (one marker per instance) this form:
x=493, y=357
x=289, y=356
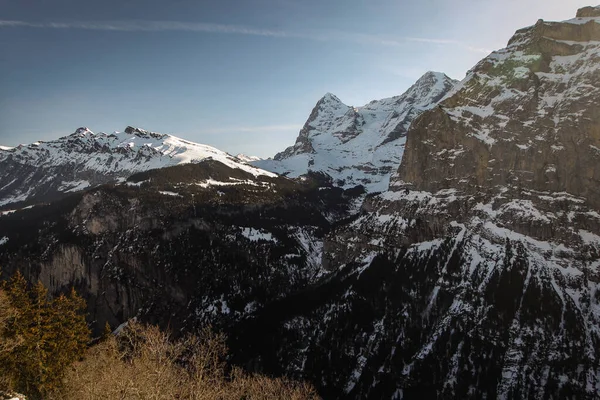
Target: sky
x=239, y=75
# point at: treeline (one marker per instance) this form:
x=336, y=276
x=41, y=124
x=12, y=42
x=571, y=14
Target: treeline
x=45, y=353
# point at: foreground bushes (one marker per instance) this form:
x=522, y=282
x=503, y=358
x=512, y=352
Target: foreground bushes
x=44, y=354
x=144, y=363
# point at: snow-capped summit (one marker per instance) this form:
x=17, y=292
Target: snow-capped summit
x=331, y=98
x=358, y=145
x=44, y=170
x=82, y=131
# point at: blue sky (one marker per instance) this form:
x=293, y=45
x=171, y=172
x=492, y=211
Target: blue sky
x=240, y=75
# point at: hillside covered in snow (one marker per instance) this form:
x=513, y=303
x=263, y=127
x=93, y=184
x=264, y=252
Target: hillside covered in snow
x=358, y=145
x=44, y=171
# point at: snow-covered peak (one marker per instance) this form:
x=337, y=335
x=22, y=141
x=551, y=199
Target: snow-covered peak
x=431, y=80
x=429, y=88
x=86, y=159
x=330, y=98
x=358, y=145
x=133, y=150
x=83, y=131
x=327, y=107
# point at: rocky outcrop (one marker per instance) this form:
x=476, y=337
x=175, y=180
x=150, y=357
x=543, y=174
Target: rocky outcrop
x=588, y=12
x=144, y=133
x=521, y=119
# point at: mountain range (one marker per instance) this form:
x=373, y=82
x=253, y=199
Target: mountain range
x=444, y=243
x=353, y=146
x=45, y=171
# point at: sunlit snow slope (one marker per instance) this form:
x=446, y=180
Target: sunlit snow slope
x=359, y=145
x=43, y=170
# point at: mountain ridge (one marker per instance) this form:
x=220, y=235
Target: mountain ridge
x=358, y=145
x=45, y=170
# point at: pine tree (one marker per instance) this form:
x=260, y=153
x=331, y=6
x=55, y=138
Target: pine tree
x=18, y=297
x=32, y=356
x=7, y=343
x=18, y=293
x=107, y=333
x=70, y=328
x=52, y=335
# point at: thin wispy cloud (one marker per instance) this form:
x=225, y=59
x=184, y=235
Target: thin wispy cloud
x=147, y=26
x=158, y=26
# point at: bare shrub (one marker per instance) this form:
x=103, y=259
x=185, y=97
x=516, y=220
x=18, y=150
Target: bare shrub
x=144, y=363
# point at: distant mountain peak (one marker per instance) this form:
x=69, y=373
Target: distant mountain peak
x=132, y=129
x=330, y=97
x=358, y=145
x=42, y=171
x=433, y=75
x=83, y=131
x=432, y=86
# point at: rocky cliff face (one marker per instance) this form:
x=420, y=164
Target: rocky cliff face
x=46, y=171
x=522, y=119
x=184, y=246
x=516, y=143
x=492, y=224
x=358, y=145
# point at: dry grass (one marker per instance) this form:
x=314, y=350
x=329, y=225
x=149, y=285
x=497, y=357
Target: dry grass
x=143, y=363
